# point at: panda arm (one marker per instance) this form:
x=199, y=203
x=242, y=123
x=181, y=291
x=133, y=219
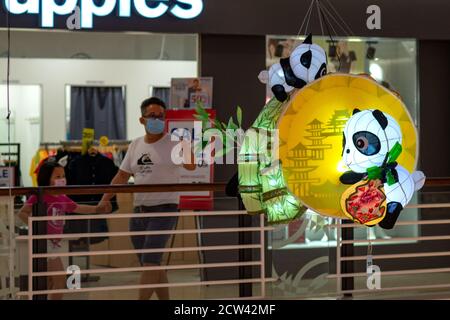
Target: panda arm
x=351, y=177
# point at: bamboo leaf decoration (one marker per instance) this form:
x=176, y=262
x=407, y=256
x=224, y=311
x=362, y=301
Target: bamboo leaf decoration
x=239, y=116
x=227, y=140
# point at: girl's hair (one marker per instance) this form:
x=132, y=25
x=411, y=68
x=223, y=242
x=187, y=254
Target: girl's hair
x=45, y=172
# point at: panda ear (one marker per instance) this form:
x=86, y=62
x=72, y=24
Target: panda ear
x=355, y=111
x=381, y=118
x=308, y=39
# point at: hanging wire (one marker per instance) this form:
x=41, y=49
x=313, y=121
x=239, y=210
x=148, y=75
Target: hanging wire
x=330, y=15
x=309, y=18
x=320, y=16
x=8, y=118
x=306, y=17
x=8, y=106
x=330, y=35
x=339, y=16
x=331, y=25
x=369, y=247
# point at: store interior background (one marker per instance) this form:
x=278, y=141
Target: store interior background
x=41, y=71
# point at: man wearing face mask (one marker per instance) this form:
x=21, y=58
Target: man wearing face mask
x=150, y=160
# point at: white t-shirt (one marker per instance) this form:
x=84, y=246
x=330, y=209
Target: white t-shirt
x=151, y=163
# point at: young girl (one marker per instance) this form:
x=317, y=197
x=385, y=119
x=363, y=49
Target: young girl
x=51, y=173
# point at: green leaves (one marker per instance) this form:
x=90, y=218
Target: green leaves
x=201, y=114
x=239, y=116
x=227, y=138
x=268, y=118
x=231, y=125
x=218, y=124
x=200, y=109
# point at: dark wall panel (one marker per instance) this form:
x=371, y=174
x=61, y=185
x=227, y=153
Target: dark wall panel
x=234, y=62
x=434, y=77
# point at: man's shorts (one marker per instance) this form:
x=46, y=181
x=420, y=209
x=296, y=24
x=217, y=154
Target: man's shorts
x=152, y=224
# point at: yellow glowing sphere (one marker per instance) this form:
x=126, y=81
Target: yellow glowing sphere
x=310, y=132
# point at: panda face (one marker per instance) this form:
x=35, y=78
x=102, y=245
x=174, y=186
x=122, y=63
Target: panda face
x=308, y=62
x=367, y=141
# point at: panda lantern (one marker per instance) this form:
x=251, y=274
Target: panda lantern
x=381, y=188
x=307, y=63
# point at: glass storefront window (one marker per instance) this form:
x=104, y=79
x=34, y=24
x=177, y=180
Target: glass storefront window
x=393, y=62
x=25, y=121
x=112, y=69
x=56, y=44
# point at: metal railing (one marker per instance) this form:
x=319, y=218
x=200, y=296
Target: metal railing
x=7, y=250
x=341, y=260
x=261, y=229
x=32, y=238
x=36, y=238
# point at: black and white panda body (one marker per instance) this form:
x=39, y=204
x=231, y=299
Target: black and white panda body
x=307, y=63
x=369, y=136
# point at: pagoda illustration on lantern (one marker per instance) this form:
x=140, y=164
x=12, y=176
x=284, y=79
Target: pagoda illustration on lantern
x=317, y=148
x=336, y=125
x=299, y=170
x=302, y=157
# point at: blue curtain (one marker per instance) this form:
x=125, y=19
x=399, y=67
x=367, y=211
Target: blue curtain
x=100, y=108
x=162, y=93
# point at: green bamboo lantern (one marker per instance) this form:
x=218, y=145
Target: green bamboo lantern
x=250, y=186
x=261, y=183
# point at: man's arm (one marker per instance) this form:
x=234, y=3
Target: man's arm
x=121, y=177
x=188, y=156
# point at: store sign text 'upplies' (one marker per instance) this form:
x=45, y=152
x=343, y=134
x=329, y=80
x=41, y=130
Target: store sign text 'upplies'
x=48, y=9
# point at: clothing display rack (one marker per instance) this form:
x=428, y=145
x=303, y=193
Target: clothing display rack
x=67, y=144
x=111, y=143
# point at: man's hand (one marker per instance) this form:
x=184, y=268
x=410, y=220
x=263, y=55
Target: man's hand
x=104, y=206
x=188, y=156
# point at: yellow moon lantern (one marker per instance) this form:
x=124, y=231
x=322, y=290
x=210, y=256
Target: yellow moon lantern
x=311, y=138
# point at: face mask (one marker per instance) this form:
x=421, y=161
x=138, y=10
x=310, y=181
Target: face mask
x=60, y=182
x=155, y=126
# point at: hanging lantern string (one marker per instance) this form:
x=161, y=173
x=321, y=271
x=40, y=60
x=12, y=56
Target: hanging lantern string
x=8, y=104
x=349, y=30
x=320, y=15
x=306, y=19
x=327, y=26
x=307, y=29
x=327, y=14
x=8, y=118
x=330, y=15
x=369, y=247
